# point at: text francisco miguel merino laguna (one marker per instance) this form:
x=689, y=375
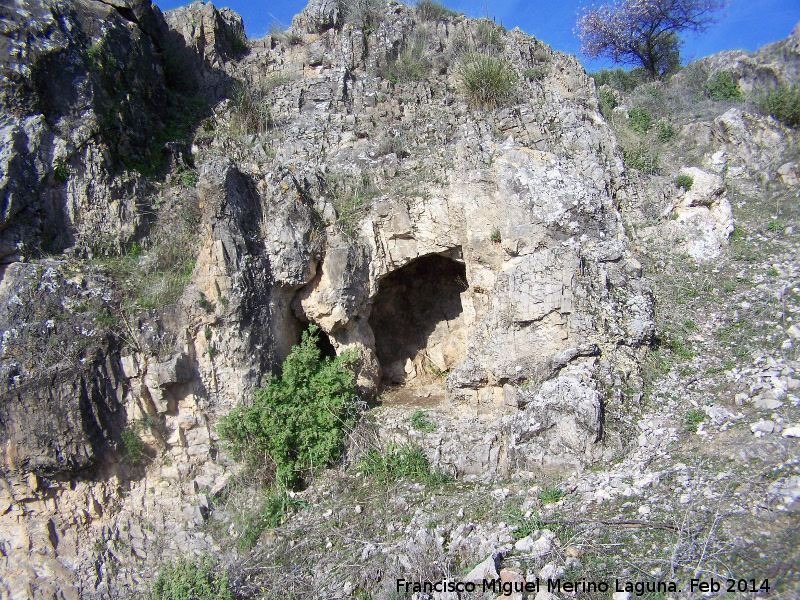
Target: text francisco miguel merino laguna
x=554, y=586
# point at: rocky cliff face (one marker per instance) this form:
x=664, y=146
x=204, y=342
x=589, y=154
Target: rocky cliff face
x=203, y=199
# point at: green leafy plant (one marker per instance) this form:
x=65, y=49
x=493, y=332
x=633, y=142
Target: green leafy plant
x=496, y=236
x=664, y=130
x=678, y=346
x=300, y=418
x=550, y=495
x=525, y=526
x=136, y=250
x=722, y=87
x=133, y=448
x=239, y=42
x=639, y=120
x=191, y=580
x=620, y=79
x=693, y=419
x=684, y=181
x=206, y=304
x=189, y=178
x=61, y=173
x=608, y=101
x=420, y=421
x=783, y=103
x=488, y=81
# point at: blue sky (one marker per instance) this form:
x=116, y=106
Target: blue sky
x=744, y=24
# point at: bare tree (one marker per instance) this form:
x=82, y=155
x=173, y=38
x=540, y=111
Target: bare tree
x=643, y=32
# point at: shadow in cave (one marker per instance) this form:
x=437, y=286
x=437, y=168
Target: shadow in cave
x=323, y=342
x=411, y=304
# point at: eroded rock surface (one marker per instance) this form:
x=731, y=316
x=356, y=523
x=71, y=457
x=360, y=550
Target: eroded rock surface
x=474, y=259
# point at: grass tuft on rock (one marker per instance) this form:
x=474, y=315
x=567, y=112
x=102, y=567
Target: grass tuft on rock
x=488, y=81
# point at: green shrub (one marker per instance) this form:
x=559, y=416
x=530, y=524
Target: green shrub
x=536, y=73
x=421, y=422
x=678, y=346
x=664, y=130
x=642, y=158
x=488, y=81
x=205, y=304
x=620, y=79
x=191, y=580
x=189, y=178
x=684, y=181
x=639, y=120
x=300, y=418
x=239, y=43
x=61, y=173
x=693, y=419
x=430, y=10
x=133, y=448
x=400, y=462
x=496, y=238
x=608, y=101
x=783, y=103
x=722, y=87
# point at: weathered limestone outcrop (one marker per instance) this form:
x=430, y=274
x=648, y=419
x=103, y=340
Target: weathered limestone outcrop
x=772, y=65
x=704, y=217
x=433, y=237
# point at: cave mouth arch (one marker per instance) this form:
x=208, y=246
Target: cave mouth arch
x=417, y=319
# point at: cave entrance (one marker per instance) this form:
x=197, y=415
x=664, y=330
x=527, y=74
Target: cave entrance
x=417, y=319
x=324, y=344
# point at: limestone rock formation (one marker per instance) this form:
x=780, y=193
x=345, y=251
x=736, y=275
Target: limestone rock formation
x=704, y=215
x=207, y=198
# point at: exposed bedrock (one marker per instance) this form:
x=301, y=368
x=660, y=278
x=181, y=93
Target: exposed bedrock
x=489, y=279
